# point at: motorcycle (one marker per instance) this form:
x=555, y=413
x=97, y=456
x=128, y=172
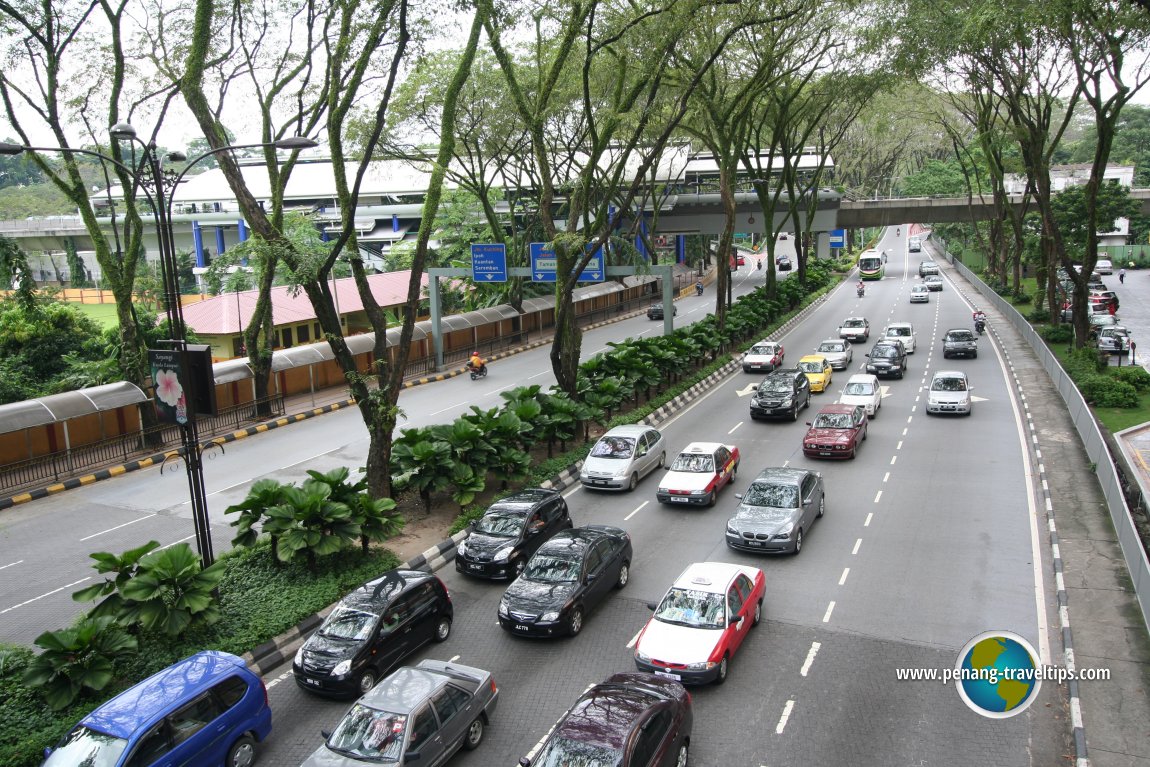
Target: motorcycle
x=699, y=289
x=980, y=326
x=861, y=291
x=477, y=374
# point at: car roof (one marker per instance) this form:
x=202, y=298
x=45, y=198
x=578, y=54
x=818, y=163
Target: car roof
x=837, y=408
x=830, y=341
x=900, y=325
x=139, y=705
x=604, y=716
x=712, y=577
x=405, y=690
x=784, y=373
x=781, y=475
x=863, y=378
x=703, y=447
x=812, y=358
x=576, y=539
x=849, y=319
x=918, y=286
x=948, y=374
x=626, y=430
x=959, y=330
x=378, y=592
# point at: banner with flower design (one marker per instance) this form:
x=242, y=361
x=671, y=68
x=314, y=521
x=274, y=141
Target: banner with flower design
x=169, y=382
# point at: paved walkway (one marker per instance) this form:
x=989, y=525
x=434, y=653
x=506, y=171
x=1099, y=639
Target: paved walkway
x=1109, y=631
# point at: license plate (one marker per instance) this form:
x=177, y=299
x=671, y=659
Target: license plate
x=521, y=627
x=754, y=543
x=598, y=482
x=678, y=499
x=669, y=675
x=312, y=682
x=825, y=452
x=476, y=567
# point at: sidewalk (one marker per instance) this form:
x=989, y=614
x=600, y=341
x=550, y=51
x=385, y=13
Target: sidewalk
x=1090, y=575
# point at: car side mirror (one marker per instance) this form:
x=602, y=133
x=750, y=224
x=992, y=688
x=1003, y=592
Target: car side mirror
x=739, y=496
x=867, y=356
x=590, y=578
x=525, y=762
x=325, y=733
x=807, y=501
x=808, y=423
x=652, y=606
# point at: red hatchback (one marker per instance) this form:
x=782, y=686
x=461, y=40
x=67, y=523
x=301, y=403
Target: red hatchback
x=630, y=720
x=837, y=432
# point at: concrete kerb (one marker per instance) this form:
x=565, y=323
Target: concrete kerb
x=270, y=655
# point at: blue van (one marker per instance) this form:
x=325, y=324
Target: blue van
x=205, y=711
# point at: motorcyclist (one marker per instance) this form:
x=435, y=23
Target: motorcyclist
x=979, y=320
x=861, y=288
x=476, y=364
x=699, y=287
x=897, y=231
x=760, y=264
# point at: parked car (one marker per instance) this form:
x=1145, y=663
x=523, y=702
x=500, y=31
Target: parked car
x=855, y=329
x=837, y=351
x=566, y=579
x=818, y=371
x=1101, y=296
x=777, y=509
x=510, y=531
x=836, y=432
x=949, y=393
x=371, y=630
x=919, y=294
x=1092, y=309
x=781, y=394
x=1104, y=266
x=699, y=473
x=863, y=389
x=701, y=622
x=655, y=311
x=1114, y=339
x=902, y=332
x=622, y=457
x=207, y=710
x=933, y=282
x=631, y=719
x=887, y=358
x=1098, y=322
x=423, y=713
x=959, y=342
x=763, y=357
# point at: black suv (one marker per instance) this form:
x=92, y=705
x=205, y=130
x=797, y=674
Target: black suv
x=887, y=358
x=782, y=393
x=510, y=531
x=371, y=630
x=959, y=342
x=655, y=311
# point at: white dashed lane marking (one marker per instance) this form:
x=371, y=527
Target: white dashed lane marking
x=810, y=658
x=783, y=719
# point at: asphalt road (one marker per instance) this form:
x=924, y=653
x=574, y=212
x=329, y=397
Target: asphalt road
x=928, y=540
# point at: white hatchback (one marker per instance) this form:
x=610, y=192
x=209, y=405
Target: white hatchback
x=863, y=389
x=901, y=331
x=950, y=393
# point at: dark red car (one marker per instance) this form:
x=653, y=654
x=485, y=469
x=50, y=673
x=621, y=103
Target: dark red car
x=837, y=432
x=632, y=719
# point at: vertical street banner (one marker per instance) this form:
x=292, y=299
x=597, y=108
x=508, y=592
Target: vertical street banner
x=169, y=381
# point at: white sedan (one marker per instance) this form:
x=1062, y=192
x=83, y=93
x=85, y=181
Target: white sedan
x=863, y=389
x=919, y=294
x=901, y=331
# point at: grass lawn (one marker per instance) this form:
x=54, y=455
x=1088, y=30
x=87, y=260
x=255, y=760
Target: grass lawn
x=103, y=314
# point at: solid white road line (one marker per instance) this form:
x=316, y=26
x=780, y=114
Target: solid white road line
x=636, y=511
x=50, y=593
x=783, y=719
x=11, y=564
x=117, y=527
x=810, y=658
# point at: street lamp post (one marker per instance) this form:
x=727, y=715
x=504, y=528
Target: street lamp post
x=149, y=175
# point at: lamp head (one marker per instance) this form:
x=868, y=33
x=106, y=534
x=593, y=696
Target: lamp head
x=176, y=156
x=122, y=131
x=10, y=149
x=296, y=142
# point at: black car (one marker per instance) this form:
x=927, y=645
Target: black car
x=567, y=577
x=783, y=264
x=371, y=630
x=510, y=531
x=887, y=358
x=959, y=342
x=655, y=311
x=781, y=395
x=632, y=719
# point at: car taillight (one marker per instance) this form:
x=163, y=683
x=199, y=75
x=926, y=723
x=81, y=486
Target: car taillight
x=446, y=591
x=494, y=688
x=264, y=687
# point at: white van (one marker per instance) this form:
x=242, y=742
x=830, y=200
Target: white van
x=1104, y=266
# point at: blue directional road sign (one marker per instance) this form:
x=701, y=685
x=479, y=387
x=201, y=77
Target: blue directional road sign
x=489, y=262
x=594, y=272
x=838, y=238
x=544, y=263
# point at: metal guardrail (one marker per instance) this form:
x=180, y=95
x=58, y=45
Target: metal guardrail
x=1096, y=448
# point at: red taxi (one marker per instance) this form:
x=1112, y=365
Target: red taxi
x=699, y=473
x=701, y=622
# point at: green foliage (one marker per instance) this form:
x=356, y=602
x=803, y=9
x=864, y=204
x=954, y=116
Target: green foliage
x=77, y=660
x=35, y=343
x=1134, y=375
x=1057, y=334
x=938, y=178
x=1107, y=391
x=309, y=522
x=172, y=592
x=125, y=566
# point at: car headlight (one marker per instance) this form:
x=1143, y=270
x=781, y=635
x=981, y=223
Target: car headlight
x=809, y=446
x=461, y=549
x=642, y=656
x=704, y=666
x=299, y=656
x=342, y=668
x=700, y=492
x=503, y=554
x=785, y=531
x=732, y=529
x=620, y=473
x=503, y=607
x=550, y=616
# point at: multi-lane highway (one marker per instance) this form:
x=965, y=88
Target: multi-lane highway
x=929, y=538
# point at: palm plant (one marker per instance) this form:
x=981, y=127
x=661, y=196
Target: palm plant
x=469, y=444
x=511, y=465
x=309, y=521
x=467, y=483
x=125, y=566
x=172, y=591
x=375, y=518
x=424, y=465
x=262, y=495
x=77, y=659
x=561, y=421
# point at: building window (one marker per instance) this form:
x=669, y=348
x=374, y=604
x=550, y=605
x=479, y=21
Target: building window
x=303, y=334
x=285, y=334
x=318, y=332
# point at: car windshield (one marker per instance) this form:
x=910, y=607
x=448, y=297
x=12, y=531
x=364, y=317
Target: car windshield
x=859, y=388
x=948, y=384
x=696, y=609
x=898, y=332
x=884, y=351
x=502, y=524
x=830, y=347
x=564, y=752
x=811, y=367
x=762, y=349
x=694, y=462
x=777, y=385
x=832, y=421
x=960, y=335
x=770, y=494
x=853, y=324
x=87, y=747
x=918, y=289
x=549, y=569
x=346, y=623
x=368, y=733
x=614, y=447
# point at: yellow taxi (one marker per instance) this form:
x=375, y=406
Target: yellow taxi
x=817, y=369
